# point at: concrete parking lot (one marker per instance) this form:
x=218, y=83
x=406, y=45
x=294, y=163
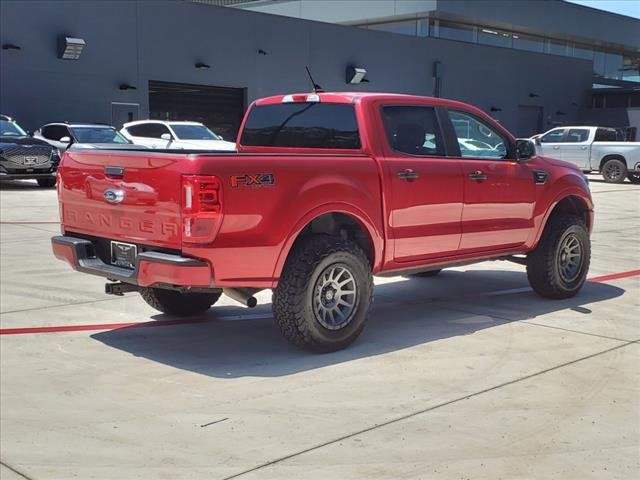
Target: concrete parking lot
x=465, y=375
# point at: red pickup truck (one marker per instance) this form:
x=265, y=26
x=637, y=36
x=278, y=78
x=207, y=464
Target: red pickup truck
x=326, y=190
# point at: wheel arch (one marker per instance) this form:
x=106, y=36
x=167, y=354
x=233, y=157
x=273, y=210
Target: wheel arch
x=612, y=156
x=340, y=220
x=571, y=202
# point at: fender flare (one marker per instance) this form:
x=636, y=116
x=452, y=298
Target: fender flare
x=375, y=236
x=566, y=192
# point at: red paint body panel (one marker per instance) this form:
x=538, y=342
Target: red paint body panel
x=440, y=217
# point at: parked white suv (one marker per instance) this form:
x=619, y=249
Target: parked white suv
x=178, y=135
x=593, y=149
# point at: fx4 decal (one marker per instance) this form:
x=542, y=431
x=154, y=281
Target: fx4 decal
x=253, y=180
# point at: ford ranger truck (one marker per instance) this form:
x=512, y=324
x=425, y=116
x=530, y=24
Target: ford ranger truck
x=325, y=191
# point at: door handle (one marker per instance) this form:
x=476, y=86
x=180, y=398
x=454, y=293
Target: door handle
x=407, y=175
x=478, y=176
x=583, y=148
x=556, y=147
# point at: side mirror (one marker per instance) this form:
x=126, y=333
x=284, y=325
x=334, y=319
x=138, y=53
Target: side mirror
x=538, y=141
x=525, y=149
x=166, y=136
x=65, y=140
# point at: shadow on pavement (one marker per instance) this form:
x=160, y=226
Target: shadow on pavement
x=21, y=185
x=407, y=312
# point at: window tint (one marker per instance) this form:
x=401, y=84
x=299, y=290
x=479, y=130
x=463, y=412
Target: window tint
x=55, y=132
x=98, y=135
x=476, y=138
x=193, y=132
x=554, y=136
x=577, y=135
x=148, y=130
x=606, y=135
x=302, y=125
x=413, y=130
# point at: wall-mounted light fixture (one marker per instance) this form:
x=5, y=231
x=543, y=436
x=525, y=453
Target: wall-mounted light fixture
x=126, y=86
x=70, y=48
x=10, y=46
x=262, y=52
x=355, y=75
x=560, y=113
x=533, y=95
x=202, y=66
x=495, y=109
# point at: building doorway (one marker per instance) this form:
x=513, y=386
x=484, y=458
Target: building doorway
x=529, y=121
x=219, y=108
x=123, y=112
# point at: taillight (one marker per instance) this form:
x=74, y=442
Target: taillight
x=201, y=208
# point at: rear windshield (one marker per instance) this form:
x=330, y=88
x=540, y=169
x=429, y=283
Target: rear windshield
x=98, y=135
x=302, y=125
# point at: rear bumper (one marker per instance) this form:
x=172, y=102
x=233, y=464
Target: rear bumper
x=151, y=269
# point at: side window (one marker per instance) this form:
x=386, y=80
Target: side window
x=413, y=130
x=476, y=138
x=148, y=130
x=554, y=136
x=55, y=132
x=605, y=135
x=577, y=135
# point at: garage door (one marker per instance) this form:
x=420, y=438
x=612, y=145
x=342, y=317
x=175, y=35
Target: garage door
x=219, y=108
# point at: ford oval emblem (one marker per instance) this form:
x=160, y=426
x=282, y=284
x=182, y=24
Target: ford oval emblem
x=113, y=196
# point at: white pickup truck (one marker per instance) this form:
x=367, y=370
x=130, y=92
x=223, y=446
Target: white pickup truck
x=593, y=149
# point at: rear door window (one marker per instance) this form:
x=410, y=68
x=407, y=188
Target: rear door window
x=577, y=135
x=55, y=132
x=413, y=130
x=302, y=125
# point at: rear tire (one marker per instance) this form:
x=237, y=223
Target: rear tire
x=173, y=302
x=324, y=294
x=558, y=266
x=634, y=178
x=614, y=171
x=46, y=182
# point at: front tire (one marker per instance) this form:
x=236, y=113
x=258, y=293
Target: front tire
x=634, y=178
x=614, y=171
x=558, y=266
x=324, y=294
x=174, y=302
x=46, y=182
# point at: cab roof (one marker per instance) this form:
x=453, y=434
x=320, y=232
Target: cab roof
x=354, y=97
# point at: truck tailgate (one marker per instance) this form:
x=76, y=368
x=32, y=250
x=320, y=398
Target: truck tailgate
x=128, y=196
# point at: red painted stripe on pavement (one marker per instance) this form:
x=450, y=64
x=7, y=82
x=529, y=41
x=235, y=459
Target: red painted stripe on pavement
x=159, y=323
x=27, y=222
x=615, y=276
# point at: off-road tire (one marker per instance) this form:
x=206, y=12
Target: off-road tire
x=46, y=182
x=634, y=178
x=430, y=273
x=543, y=263
x=173, y=302
x=614, y=171
x=293, y=299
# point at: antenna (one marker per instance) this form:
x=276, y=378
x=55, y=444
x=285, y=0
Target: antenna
x=316, y=88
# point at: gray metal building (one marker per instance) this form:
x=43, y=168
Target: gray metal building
x=529, y=64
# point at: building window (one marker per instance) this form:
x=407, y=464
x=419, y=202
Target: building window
x=558, y=48
x=423, y=27
x=582, y=52
x=495, y=38
x=528, y=42
x=612, y=65
x=407, y=27
x=631, y=69
x=598, y=63
x=456, y=31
